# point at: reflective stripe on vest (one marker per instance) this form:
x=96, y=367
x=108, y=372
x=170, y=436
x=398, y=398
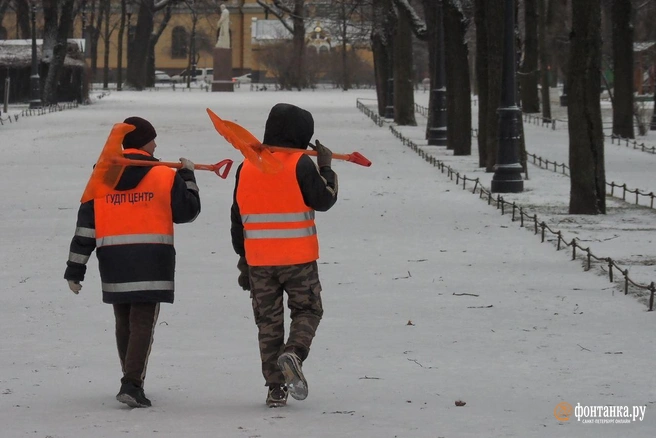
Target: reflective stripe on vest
x=131, y=239
x=137, y=286
x=279, y=228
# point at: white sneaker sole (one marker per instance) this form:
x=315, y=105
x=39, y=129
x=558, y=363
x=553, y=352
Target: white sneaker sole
x=296, y=383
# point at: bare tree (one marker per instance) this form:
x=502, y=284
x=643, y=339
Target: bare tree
x=384, y=20
x=458, y=86
x=294, y=10
x=347, y=19
x=404, y=98
x=63, y=15
x=528, y=72
x=139, y=50
x=586, y=139
x=621, y=12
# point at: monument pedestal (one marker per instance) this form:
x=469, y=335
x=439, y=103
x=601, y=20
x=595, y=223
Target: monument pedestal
x=222, y=70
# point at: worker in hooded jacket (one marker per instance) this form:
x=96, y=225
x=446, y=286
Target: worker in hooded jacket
x=274, y=233
x=131, y=229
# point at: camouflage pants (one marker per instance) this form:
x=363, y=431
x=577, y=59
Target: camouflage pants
x=268, y=284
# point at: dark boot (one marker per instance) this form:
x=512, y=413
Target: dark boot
x=133, y=396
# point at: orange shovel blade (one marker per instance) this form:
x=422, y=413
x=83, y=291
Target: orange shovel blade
x=105, y=173
x=246, y=143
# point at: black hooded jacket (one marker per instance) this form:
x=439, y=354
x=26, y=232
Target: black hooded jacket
x=125, y=263
x=291, y=126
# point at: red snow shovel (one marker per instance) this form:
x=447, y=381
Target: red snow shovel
x=112, y=163
x=260, y=154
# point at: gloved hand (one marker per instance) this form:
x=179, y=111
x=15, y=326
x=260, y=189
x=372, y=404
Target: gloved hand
x=243, y=280
x=324, y=155
x=75, y=286
x=187, y=164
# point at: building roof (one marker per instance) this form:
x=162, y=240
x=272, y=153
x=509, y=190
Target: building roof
x=18, y=53
x=273, y=30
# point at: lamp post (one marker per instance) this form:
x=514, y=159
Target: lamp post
x=437, y=132
x=35, y=81
x=507, y=173
x=84, y=51
x=389, y=105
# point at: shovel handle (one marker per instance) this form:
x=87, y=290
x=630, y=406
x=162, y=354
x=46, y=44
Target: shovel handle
x=221, y=169
x=354, y=157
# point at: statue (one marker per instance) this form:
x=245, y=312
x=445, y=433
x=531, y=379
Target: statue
x=223, y=39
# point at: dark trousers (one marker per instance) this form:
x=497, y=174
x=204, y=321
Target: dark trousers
x=135, y=328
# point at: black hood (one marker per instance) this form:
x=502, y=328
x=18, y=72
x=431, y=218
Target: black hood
x=132, y=175
x=289, y=126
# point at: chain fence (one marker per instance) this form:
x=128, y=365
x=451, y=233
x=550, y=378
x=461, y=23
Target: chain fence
x=519, y=213
x=554, y=166
x=29, y=112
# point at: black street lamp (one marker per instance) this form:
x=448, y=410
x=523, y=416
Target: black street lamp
x=84, y=51
x=652, y=127
x=507, y=173
x=437, y=132
x=389, y=105
x=35, y=80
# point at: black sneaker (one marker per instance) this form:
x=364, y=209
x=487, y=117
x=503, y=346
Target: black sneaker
x=290, y=365
x=277, y=396
x=133, y=396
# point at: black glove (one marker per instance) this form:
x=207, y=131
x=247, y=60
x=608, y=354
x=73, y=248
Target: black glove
x=324, y=155
x=243, y=279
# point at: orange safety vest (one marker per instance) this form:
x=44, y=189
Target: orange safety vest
x=139, y=215
x=279, y=228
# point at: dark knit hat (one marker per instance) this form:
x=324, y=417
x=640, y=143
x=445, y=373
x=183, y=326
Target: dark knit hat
x=140, y=136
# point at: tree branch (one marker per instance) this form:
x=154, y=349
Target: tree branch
x=277, y=13
x=418, y=25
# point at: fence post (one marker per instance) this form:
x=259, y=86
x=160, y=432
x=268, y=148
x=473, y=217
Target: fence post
x=535, y=221
x=6, y=101
x=560, y=237
x=610, y=269
x=573, y=249
x=542, y=225
x=652, y=289
x=626, y=281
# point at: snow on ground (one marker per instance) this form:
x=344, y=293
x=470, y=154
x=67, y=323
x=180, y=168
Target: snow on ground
x=430, y=296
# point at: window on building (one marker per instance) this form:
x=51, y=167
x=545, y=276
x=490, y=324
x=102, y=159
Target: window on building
x=179, y=42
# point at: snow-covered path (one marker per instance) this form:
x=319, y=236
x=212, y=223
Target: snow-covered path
x=430, y=297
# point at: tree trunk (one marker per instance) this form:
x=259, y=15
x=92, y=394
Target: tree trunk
x=139, y=48
x=381, y=38
x=494, y=35
x=59, y=52
x=458, y=88
x=95, y=37
x=544, y=61
x=381, y=67
x=528, y=73
x=108, y=32
x=404, y=98
x=299, y=79
x=586, y=138
x=119, y=51
x=431, y=14
x=623, y=68
x=346, y=81
x=23, y=19
x=480, y=17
